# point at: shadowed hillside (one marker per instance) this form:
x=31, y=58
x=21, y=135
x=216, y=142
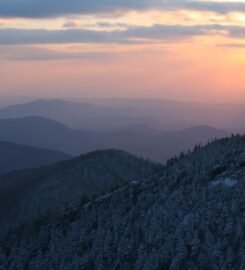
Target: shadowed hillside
x=188, y=215
x=52, y=189
x=18, y=157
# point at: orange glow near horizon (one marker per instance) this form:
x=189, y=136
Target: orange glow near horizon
x=182, y=72
x=206, y=68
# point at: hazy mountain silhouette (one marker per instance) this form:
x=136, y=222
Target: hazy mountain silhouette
x=170, y=114
x=10, y=100
x=73, y=114
x=112, y=114
x=156, y=145
x=45, y=133
x=18, y=157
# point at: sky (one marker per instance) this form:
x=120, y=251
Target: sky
x=190, y=50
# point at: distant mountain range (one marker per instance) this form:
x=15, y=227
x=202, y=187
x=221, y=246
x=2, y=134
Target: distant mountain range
x=148, y=143
x=73, y=114
x=18, y=157
x=10, y=100
x=109, y=209
x=115, y=114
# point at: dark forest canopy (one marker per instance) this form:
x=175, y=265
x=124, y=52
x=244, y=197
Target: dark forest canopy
x=186, y=215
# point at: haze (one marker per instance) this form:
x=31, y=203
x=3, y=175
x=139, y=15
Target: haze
x=180, y=50
x=150, y=77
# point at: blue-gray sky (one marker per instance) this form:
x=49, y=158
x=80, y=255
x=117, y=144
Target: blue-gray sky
x=54, y=8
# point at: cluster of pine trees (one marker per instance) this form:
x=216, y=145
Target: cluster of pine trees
x=189, y=214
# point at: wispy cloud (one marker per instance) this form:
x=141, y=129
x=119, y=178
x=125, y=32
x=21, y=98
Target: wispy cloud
x=232, y=45
x=71, y=24
x=31, y=53
x=131, y=35
x=54, y=8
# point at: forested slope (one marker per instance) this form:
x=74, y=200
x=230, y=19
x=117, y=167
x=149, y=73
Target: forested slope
x=189, y=215
x=48, y=191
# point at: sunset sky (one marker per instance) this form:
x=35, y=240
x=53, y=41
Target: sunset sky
x=174, y=49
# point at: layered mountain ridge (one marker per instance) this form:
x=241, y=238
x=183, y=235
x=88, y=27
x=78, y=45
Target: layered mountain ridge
x=156, y=145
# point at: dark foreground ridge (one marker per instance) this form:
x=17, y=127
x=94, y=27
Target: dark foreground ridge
x=188, y=215
x=51, y=190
